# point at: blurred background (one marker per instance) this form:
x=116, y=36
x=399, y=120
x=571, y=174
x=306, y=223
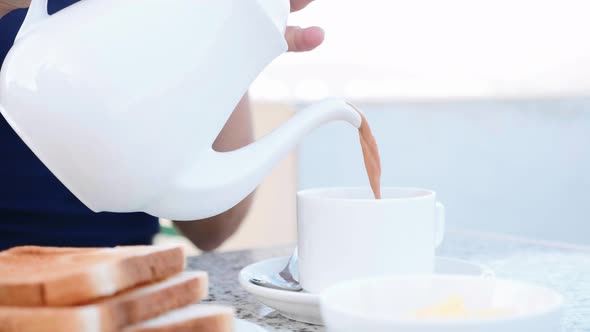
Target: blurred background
x=482, y=101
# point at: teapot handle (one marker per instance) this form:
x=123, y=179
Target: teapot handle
x=37, y=12
x=277, y=11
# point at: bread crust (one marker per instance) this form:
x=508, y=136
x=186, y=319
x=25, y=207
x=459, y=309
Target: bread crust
x=49, y=276
x=110, y=314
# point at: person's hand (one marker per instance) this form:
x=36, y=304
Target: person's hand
x=303, y=39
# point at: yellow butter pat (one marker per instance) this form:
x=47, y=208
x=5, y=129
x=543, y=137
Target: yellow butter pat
x=454, y=307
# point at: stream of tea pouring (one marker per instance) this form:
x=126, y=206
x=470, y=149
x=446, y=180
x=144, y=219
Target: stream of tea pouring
x=287, y=279
x=370, y=154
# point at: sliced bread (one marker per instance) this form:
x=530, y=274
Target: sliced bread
x=192, y=318
x=111, y=314
x=49, y=276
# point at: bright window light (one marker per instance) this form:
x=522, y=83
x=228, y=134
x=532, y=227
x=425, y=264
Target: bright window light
x=437, y=49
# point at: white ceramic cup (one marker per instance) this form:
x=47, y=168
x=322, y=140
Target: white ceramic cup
x=344, y=234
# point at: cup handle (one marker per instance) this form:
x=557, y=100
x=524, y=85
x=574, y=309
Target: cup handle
x=439, y=227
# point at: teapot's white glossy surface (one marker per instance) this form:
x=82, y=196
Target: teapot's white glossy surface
x=123, y=99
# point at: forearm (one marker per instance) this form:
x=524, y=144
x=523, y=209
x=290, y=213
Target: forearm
x=6, y=6
x=210, y=233
x=4, y=10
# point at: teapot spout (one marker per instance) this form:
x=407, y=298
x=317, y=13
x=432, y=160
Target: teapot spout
x=223, y=179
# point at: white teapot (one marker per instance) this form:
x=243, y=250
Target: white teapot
x=122, y=100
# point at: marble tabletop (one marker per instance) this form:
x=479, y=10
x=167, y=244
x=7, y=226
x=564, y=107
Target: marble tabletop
x=563, y=267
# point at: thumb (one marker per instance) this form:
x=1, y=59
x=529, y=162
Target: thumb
x=302, y=40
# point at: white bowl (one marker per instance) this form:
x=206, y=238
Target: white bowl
x=389, y=304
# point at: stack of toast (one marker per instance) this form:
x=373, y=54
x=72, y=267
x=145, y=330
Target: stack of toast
x=130, y=289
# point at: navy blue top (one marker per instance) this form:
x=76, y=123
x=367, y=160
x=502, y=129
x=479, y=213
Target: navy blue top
x=35, y=208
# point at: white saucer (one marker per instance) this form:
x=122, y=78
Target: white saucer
x=246, y=326
x=304, y=307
